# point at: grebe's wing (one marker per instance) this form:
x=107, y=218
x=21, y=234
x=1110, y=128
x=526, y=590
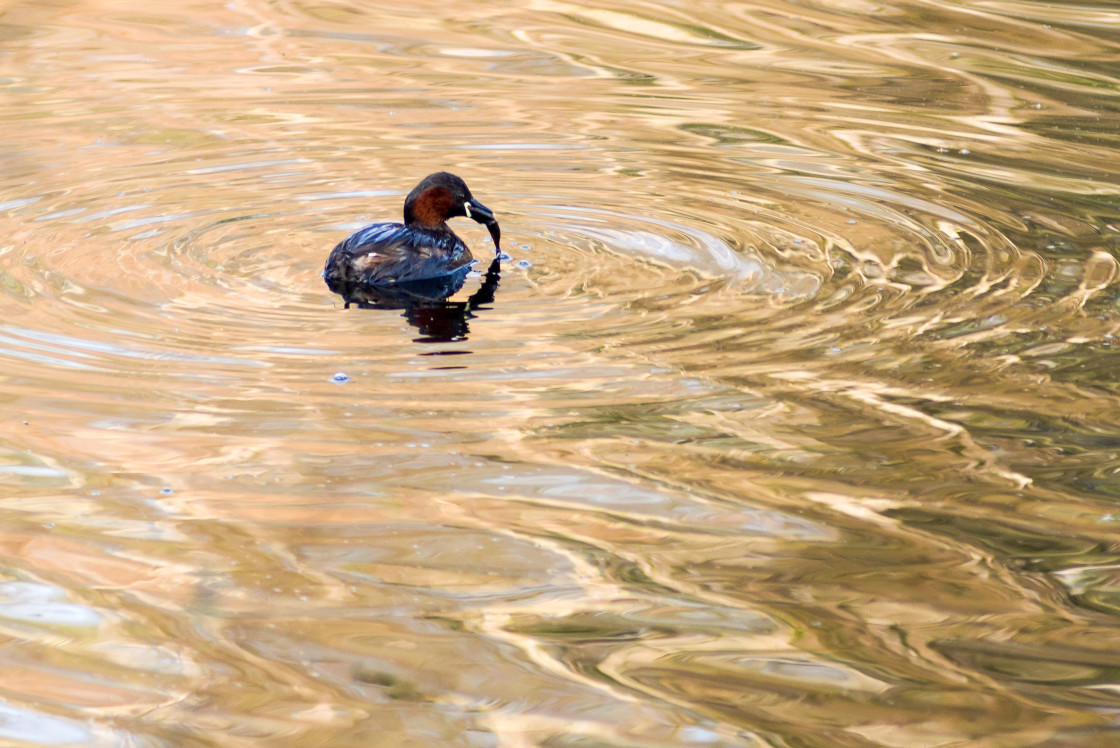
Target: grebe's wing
x=387, y=253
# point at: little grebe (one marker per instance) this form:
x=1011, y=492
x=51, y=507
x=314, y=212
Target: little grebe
x=422, y=248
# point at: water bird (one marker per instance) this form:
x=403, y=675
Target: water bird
x=422, y=249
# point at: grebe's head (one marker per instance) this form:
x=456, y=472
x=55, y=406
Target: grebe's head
x=441, y=196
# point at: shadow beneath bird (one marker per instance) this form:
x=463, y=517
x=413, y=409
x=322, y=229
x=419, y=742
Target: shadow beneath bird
x=425, y=301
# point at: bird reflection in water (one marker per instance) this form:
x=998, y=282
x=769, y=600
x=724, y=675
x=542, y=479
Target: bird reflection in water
x=425, y=301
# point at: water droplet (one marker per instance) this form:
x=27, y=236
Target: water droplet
x=524, y=264
x=166, y=491
x=955, y=55
x=851, y=223
x=965, y=151
x=340, y=378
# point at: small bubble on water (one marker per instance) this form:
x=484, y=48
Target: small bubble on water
x=96, y=493
x=524, y=264
x=851, y=223
x=965, y=151
x=504, y=257
x=955, y=55
x=525, y=246
x=166, y=491
x=1038, y=106
x=340, y=378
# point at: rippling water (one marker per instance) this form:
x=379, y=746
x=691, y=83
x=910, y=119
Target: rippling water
x=793, y=422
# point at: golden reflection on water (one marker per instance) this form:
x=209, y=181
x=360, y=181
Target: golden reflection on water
x=792, y=421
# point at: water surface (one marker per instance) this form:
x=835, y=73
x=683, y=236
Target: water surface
x=793, y=421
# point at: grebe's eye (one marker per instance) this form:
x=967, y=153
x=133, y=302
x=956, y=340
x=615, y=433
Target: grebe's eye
x=467, y=207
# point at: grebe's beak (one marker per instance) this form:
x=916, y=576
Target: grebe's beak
x=480, y=213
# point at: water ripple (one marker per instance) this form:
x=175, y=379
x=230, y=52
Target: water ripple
x=790, y=420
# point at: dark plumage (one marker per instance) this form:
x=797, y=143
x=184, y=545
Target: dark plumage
x=422, y=248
